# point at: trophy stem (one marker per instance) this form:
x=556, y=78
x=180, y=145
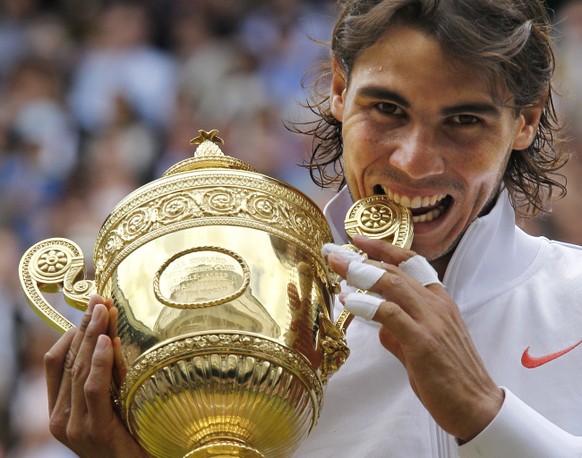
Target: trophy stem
x=224, y=449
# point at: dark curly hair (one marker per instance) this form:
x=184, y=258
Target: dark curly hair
x=509, y=40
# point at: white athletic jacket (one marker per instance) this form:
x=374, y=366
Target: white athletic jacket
x=521, y=298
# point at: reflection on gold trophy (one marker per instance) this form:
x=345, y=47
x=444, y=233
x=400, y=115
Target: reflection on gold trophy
x=224, y=306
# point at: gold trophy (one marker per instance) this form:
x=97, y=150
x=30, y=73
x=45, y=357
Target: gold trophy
x=224, y=308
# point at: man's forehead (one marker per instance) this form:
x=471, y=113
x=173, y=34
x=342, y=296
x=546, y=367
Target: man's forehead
x=409, y=50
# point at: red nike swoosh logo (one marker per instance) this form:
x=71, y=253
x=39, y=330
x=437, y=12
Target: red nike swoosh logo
x=532, y=361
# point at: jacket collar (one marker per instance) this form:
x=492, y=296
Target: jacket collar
x=491, y=257
x=335, y=211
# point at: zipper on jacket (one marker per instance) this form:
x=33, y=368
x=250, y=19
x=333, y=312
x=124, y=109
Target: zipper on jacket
x=443, y=443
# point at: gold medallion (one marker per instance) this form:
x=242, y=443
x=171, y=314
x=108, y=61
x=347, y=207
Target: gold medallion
x=377, y=217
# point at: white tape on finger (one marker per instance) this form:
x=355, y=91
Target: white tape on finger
x=347, y=254
x=419, y=268
x=363, y=305
x=362, y=275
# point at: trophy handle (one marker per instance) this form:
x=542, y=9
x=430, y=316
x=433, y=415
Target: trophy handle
x=335, y=348
x=51, y=266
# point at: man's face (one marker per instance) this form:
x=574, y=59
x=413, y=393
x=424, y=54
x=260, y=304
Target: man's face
x=425, y=130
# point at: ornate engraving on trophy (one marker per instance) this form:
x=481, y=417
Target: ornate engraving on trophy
x=201, y=277
x=182, y=202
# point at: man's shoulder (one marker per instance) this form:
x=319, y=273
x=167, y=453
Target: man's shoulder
x=562, y=254
x=565, y=247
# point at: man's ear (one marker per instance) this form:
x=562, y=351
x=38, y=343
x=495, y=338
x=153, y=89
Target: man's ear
x=337, y=91
x=527, y=127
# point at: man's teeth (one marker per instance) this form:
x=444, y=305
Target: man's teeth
x=419, y=202
x=428, y=216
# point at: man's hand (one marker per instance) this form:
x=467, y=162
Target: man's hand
x=423, y=328
x=79, y=373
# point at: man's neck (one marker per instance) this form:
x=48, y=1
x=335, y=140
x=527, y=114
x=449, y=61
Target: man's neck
x=441, y=264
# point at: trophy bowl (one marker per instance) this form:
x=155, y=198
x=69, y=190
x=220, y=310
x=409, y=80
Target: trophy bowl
x=224, y=307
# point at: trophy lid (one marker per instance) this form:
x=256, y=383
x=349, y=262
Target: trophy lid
x=208, y=189
x=208, y=154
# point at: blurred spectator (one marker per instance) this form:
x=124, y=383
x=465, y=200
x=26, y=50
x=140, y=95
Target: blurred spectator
x=262, y=141
x=9, y=326
x=281, y=34
x=124, y=142
x=564, y=221
x=29, y=411
x=185, y=122
x=119, y=61
x=243, y=93
x=14, y=16
x=569, y=53
x=217, y=76
x=113, y=179
x=24, y=191
x=49, y=38
x=38, y=143
x=40, y=118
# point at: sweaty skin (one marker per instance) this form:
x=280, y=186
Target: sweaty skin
x=428, y=132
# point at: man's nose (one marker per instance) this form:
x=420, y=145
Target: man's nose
x=417, y=153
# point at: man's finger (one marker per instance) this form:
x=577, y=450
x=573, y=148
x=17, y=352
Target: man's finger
x=98, y=325
x=418, y=268
x=54, y=365
x=362, y=275
x=60, y=406
x=392, y=317
x=98, y=384
x=382, y=250
x=362, y=305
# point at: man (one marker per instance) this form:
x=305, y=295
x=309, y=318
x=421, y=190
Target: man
x=445, y=106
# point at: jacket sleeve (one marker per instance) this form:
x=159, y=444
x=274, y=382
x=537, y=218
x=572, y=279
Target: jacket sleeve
x=518, y=431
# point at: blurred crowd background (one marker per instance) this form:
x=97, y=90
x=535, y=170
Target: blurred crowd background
x=99, y=97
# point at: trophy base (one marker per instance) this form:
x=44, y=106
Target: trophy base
x=221, y=395
x=225, y=449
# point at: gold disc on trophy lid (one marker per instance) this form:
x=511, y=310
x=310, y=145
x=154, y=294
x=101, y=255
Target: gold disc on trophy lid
x=378, y=217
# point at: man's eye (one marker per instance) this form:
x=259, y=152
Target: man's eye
x=389, y=108
x=465, y=119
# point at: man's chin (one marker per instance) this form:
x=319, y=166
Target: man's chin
x=432, y=252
